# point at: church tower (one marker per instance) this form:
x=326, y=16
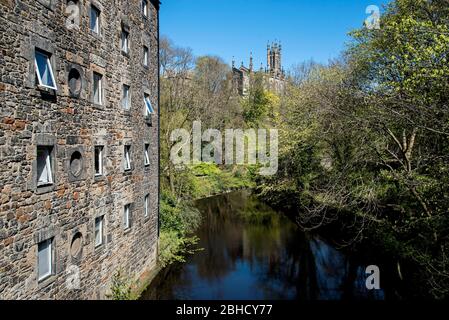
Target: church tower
x=274, y=59
x=273, y=75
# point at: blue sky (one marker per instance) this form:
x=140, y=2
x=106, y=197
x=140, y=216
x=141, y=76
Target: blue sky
x=308, y=29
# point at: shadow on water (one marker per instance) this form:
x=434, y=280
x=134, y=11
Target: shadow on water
x=252, y=252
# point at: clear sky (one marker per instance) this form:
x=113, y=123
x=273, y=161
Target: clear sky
x=308, y=29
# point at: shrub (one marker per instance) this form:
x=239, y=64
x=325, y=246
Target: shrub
x=121, y=287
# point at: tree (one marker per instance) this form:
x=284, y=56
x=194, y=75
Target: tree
x=365, y=139
x=176, y=99
x=192, y=89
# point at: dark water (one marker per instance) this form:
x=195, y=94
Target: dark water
x=252, y=252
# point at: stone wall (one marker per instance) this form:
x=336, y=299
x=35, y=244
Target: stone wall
x=69, y=122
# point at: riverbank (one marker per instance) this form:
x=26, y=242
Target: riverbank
x=178, y=216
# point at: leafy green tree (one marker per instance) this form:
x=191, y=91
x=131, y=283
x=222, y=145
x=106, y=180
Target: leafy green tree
x=256, y=105
x=366, y=139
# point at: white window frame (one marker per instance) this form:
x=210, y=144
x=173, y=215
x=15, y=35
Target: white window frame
x=100, y=160
x=146, y=54
x=145, y=8
x=48, y=166
x=146, y=205
x=97, y=11
x=125, y=41
x=47, y=56
x=100, y=230
x=127, y=157
x=147, y=103
x=99, y=86
x=147, y=154
x=126, y=96
x=126, y=211
x=49, y=262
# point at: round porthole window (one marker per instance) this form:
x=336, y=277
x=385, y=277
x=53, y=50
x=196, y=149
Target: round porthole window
x=74, y=82
x=76, y=163
x=77, y=242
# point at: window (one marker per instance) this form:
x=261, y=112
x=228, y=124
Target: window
x=146, y=205
x=44, y=70
x=99, y=231
x=98, y=160
x=148, y=107
x=45, y=259
x=95, y=20
x=125, y=41
x=126, y=213
x=147, y=155
x=125, y=97
x=145, y=56
x=145, y=8
x=98, y=88
x=44, y=166
x=127, y=158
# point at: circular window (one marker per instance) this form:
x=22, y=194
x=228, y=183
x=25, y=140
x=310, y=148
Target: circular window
x=75, y=248
x=76, y=163
x=74, y=82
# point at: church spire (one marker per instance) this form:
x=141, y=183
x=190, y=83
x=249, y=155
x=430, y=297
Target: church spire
x=251, y=61
x=268, y=56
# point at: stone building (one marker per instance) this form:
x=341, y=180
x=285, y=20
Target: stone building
x=273, y=74
x=79, y=148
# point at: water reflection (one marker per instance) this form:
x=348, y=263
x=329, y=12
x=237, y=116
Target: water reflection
x=252, y=252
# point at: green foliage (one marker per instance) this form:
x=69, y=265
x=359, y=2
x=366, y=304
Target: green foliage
x=365, y=140
x=208, y=179
x=178, y=219
x=408, y=55
x=259, y=104
x=121, y=287
x=205, y=169
x=174, y=248
x=178, y=216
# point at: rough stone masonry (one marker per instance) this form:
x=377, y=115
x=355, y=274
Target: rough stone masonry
x=78, y=145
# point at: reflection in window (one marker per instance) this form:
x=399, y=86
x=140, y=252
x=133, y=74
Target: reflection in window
x=43, y=70
x=127, y=158
x=148, y=107
x=95, y=20
x=98, y=88
x=45, y=259
x=44, y=166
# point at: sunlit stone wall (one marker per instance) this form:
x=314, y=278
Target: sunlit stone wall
x=70, y=124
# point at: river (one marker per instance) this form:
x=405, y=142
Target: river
x=249, y=251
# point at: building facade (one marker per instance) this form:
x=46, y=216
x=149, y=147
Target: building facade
x=273, y=74
x=79, y=145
